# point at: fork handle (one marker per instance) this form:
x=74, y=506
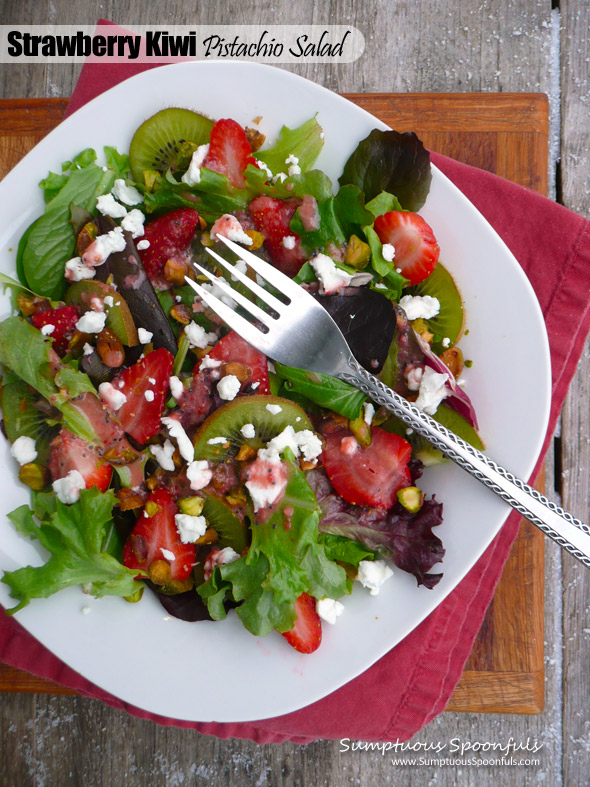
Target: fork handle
x=569, y=532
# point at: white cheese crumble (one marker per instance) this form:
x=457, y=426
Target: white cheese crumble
x=109, y=206
x=329, y=609
x=167, y=554
x=193, y=174
x=112, y=396
x=369, y=413
x=304, y=443
x=373, y=573
x=176, y=387
x=75, y=270
x=226, y=555
x=199, y=474
x=228, y=387
x=264, y=166
x=388, y=252
x=176, y=431
x=209, y=363
x=413, y=377
x=294, y=168
x=23, y=450
x=419, y=307
x=217, y=441
x=280, y=177
x=274, y=409
x=229, y=227
x=48, y=329
x=88, y=349
x=331, y=278
x=198, y=336
x=91, y=322
x=248, y=431
x=446, y=342
x=190, y=528
x=133, y=223
x=69, y=487
x=143, y=244
x=163, y=455
x=104, y=245
x=149, y=396
x=108, y=301
x=127, y=194
x=432, y=391
x=144, y=336
x=269, y=491
x=289, y=241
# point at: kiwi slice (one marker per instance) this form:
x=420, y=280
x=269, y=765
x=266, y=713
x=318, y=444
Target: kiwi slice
x=448, y=323
x=229, y=419
x=22, y=417
x=119, y=318
x=232, y=533
x=167, y=141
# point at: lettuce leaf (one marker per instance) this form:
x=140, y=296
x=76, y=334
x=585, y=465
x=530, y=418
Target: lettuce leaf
x=323, y=390
x=305, y=142
x=77, y=537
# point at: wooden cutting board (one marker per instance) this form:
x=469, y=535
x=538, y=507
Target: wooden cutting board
x=503, y=133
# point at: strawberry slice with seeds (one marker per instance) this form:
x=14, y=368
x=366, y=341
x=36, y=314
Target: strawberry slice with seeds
x=416, y=249
x=366, y=475
x=154, y=543
x=70, y=452
x=229, y=151
x=272, y=218
x=243, y=360
x=145, y=385
x=169, y=237
x=306, y=634
x=63, y=319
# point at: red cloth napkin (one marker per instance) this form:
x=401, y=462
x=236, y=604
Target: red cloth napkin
x=410, y=685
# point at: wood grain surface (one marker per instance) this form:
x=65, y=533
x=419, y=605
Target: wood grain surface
x=506, y=134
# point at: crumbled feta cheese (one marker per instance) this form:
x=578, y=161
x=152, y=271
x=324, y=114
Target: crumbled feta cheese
x=226, y=555
x=254, y=386
x=144, y=336
x=369, y=413
x=388, y=252
x=48, y=329
x=304, y=443
x=112, y=396
x=349, y=445
x=229, y=227
x=291, y=159
x=209, y=363
x=446, y=342
x=248, y=431
x=264, y=166
x=167, y=554
x=152, y=380
x=294, y=168
x=176, y=387
x=289, y=241
x=88, y=349
x=409, y=431
x=373, y=573
x=198, y=336
x=108, y=301
x=329, y=609
x=190, y=528
x=228, y=387
x=91, y=322
x=69, y=487
x=75, y=270
x=419, y=307
x=413, y=377
x=193, y=174
x=149, y=396
x=143, y=244
x=133, y=223
x=109, y=206
x=398, y=270
x=175, y=430
x=127, y=194
x=330, y=277
x=23, y=450
x=163, y=455
x=266, y=481
x=381, y=286
x=274, y=409
x=280, y=177
x=106, y=244
x=198, y=474
x=217, y=441
x=97, y=304
x=433, y=389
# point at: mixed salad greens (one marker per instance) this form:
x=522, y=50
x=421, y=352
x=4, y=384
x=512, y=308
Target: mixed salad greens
x=162, y=451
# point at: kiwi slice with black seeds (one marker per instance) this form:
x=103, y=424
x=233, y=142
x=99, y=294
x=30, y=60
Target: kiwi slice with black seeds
x=219, y=515
x=228, y=420
x=448, y=323
x=22, y=416
x=167, y=140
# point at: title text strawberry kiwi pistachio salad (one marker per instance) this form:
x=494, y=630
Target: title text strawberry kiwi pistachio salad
x=164, y=452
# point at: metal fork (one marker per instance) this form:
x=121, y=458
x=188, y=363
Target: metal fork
x=300, y=332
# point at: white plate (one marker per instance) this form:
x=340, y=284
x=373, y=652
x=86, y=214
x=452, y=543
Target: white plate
x=218, y=671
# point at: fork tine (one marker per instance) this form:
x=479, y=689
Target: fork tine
x=263, y=294
x=254, y=310
x=282, y=283
x=247, y=331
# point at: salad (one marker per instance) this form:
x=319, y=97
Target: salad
x=165, y=454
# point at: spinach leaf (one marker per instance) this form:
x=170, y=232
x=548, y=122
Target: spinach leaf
x=392, y=162
x=326, y=391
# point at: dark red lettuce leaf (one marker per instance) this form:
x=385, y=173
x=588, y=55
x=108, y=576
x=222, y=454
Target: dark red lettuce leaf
x=404, y=538
x=187, y=606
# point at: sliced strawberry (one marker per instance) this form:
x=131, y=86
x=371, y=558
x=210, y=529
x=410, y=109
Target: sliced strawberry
x=155, y=537
x=273, y=218
x=70, y=452
x=140, y=416
x=169, y=237
x=229, y=151
x=366, y=475
x=416, y=249
x=306, y=634
x=64, y=320
x=233, y=349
